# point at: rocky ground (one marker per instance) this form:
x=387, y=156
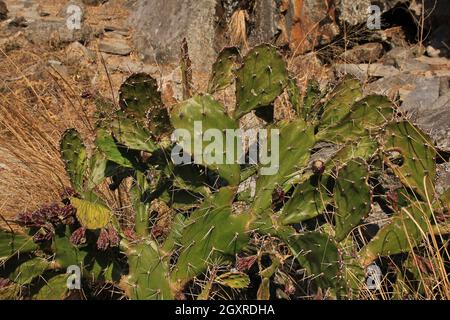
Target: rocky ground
x=50, y=75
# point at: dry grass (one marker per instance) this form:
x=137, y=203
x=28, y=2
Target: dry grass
x=37, y=103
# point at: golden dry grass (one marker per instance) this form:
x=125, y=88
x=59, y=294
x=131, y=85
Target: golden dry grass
x=37, y=103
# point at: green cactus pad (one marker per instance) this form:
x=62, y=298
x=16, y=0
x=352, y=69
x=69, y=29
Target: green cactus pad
x=73, y=152
x=148, y=275
x=138, y=93
x=364, y=148
x=211, y=115
x=352, y=197
x=295, y=142
x=260, y=80
x=132, y=135
x=406, y=230
x=90, y=214
x=66, y=254
x=312, y=97
x=29, y=270
x=106, y=144
x=158, y=122
x=309, y=200
x=318, y=254
x=222, y=75
x=139, y=194
x=97, y=169
x=95, y=265
x=366, y=117
x=173, y=238
x=55, y=288
x=189, y=177
x=415, y=164
x=342, y=99
x=235, y=280
x=211, y=232
x=13, y=243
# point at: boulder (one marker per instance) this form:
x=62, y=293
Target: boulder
x=368, y=52
x=161, y=26
x=56, y=32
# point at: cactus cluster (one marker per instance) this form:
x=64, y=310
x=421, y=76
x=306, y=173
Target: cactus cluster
x=307, y=220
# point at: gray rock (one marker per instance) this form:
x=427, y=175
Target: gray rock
x=161, y=26
x=115, y=46
x=76, y=53
x=424, y=93
x=362, y=71
x=56, y=32
x=368, y=52
x=443, y=177
x=391, y=86
x=356, y=11
x=434, y=119
x=266, y=17
x=130, y=67
x=120, y=31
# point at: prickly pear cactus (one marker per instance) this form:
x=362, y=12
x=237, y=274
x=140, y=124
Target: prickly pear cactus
x=148, y=275
x=223, y=69
x=342, y=98
x=402, y=234
x=210, y=232
x=260, y=80
x=138, y=93
x=309, y=200
x=130, y=134
x=295, y=141
x=74, y=155
x=352, y=197
x=411, y=155
x=201, y=114
x=170, y=230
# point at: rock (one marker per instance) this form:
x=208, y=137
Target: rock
x=362, y=71
x=392, y=86
x=397, y=55
x=161, y=26
x=355, y=12
x=120, y=31
x=115, y=46
x=434, y=119
x=395, y=37
x=443, y=177
x=309, y=23
x=266, y=18
x=55, y=32
x=27, y=9
x=424, y=93
x=130, y=67
x=3, y=11
x=368, y=52
x=76, y=53
x=413, y=66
